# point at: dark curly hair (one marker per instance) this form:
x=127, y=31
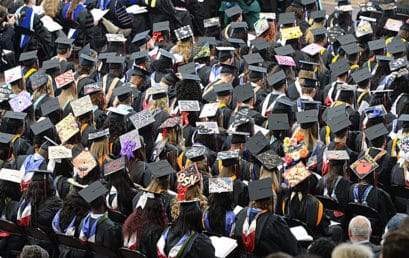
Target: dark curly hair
x=73, y=205
x=219, y=204
x=125, y=188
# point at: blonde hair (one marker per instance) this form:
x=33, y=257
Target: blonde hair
x=184, y=47
x=68, y=94
x=101, y=150
x=51, y=7
x=274, y=175
x=193, y=192
x=162, y=103
x=310, y=136
x=309, y=37
x=158, y=185
x=201, y=166
x=47, y=89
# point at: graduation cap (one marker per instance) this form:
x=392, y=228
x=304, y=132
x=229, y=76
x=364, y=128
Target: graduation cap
x=319, y=33
x=93, y=192
x=106, y=55
x=51, y=64
x=64, y=79
x=11, y=175
x=308, y=83
x=260, y=44
x=286, y=18
x=255, y=58
x=210, y=40
x=228, y=69
x=189, y=105
x=130, y=140
x=243, y=92
x=82, y=106
x=86, y=60
x=38, y=79
x=241, y=118
x=40, y=175
x=284, y=50
x=170, y=122
x=334, y=32
x=318, y=15
x=92, y=87
x=20, y=102
x=220, y=185
x=312, y=49
x=296, y=174
x=238, y=137
x=376, y=131
x=86, y=50
x=260, y=189
x=201, y=50
x=308, y=2
x=64, y=43
x=188, y=176
x=307, y=118
x=233, y=11
x=361, y=76
x=364, y=28
x=285, y=60
x=13, y=74
x=398, y=63
x=114, y=166
x=332, y=112
x=207, y=128
x=276, y=78
x=27, y=57
x=100, y=135
x=261, y=26
x=338, y=123
x=160, y=26
x=345, y=91
x=196, y=153
x=223, y=89
x=157, y=92
x=278, y=122
x=160, y=168
x=344, y=8
x=6, y=138
x=15, y=115
x=142, y=37
x=340, y=67
x=404, y=119
x=238, y=25
x=257, y=72
x=59, y=152
x=209, y=110
x=187, y=68
x=142, y=119
x=115, y=38
x=257, y=143
x=184, y=32
x=393, y=25
x=378, y=44
x=211, y=22
x=189, y=76
x=122, y=92
x=291, y=33
x=346, y=39
x=228, y=158
x=41, y=126
x=116, y=62
x=337, y=155
x=308, y=66
x=270, y=160
x=352, y=49
x=67, y=128
x=166, y=54
x=364, y=166
x=84, y=163
x=140, y=56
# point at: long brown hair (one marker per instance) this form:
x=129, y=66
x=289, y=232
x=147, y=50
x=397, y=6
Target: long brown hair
x=73, y=5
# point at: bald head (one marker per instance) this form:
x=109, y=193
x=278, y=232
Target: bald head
x=359, y=229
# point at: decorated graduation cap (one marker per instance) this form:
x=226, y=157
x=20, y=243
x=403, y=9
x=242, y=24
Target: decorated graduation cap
x=233, y=11
x=64, y=43
x=260, y=189
x=241, y=118
x=318, y=16
x=93, y=191
x=393, y=25
x=38, y=79
x=141, y=38
x=67, y=128
x=337, y=157
x=41, y=126
x=207, y=128
x=201, y=50
x=13, y=74
x=160, y=168
x=276, y=79
x=376, y=131
x=364, y=166
x=51, y=64
x=11, y=175
x=211, y=22
x=278, y=122
x=130, y=142
x=59, y=152
x=338, y=123
x=196, y=153
x=114, y=166
x=398, y=63
x=98, y=136
x=307, y=118
x=364, y=28
x=116, y=62
x=115, y=38
x=187, y=177
x=84, y=163
x=228, y=158
x=296, y=174
x=157, y=92
x=257, y=143
x=64, y=80
x=261, y=26
x=189, y=105
x=220, y=185
x=223, y=89
x=27, y=58
x=170, y=122
x=243, y=92
x=312, y=49
x=82, y=106
x=92, y=88
x=291, y=33
x=286, y=18
x=21, y=102
x=270, y=160
x=334, y=32
x=123, y=93
x=361, y=76
x=285, y=60
x=340, y=67
x=142, y=119
x=184, y=33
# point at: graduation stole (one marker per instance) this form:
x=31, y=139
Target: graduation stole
x=130, y=242
x=74, y=16
x=365, y=195
x=30, y=164
x=89, y=227
x=177, y=250
x=249, y=230
x=27, y=23
x=112, y=199
x=230, y=217
x=83, y=127
x=69, y=231
x=15, y=138
x=24, y=213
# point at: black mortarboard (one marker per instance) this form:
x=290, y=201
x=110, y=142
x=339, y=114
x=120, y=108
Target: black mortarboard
x=114, y=166
x=286, y=18
x=100, y=135
x=385, y=59
x=308, y=66
x=236, y=42
x=238, y=25
x=41, y=126
x=50, y=106
x=190, y=76
x=187, y=68
x=93, y=192
x=210, y=40
x=233, y=11
x=142, y=119
x=116, y=62
x=364, y=166
x=310, y=105
x=243, y=92
x=270, y=160
x=122, y=93
x=188, y=205
x=164, y=53
x=228, y=158
x=257, y=143
x=260, y=43
x=318, y=15
x=106, y=55
x=28, y=56
x=6, y=138
x=238, y=137
x=396, y=46
x=224, y=52
x=278, y=122
x=378, y=44
x=361, y=76
x=260, y=189
x=51, y=64
x=352, y=49
x=307, y=118
x=40, y=175
x=346, y=39
x=160, y=26
x=15, y=115
x=276, y=78
x=338, y=123
x=86, y=50
x=332, y=112
x=284, y=50
x=257, y=72
x=307, y=2
x=309, y=83
x=87, y=60
x=223, y=89
x=404, y=119
x=319, y=33
x=376, y=131
x=64, y=43
x=340, y=67
x=196, y=153
x=140, y=57
x=253, y=58
x=141, y=38
x=160, y=168
x=228, y=69
x=38, y=79
x=334, y=32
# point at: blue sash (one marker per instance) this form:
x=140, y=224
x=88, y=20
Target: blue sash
x=364, y=197
x=27, y=23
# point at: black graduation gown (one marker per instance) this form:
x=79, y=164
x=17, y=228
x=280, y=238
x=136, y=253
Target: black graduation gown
x=377, y=199
x=22, y=147
x=352, y=155
x=84, y=136
x=45, y=214
x=292, y=91
x=62, y=186
x=341, y=190
x=149, y=239
x=226, y=113
x=12, y=242
x=272, y=235
x=240, y=193
x=397, y=178
x=167, y=198
x=140, y=175
x=159, y=117
x=260, y=96
x=99, y=118
x=200, y=247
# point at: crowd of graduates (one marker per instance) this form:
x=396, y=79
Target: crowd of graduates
x=192, y=129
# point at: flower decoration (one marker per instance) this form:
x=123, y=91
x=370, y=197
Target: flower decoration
x=294, y=149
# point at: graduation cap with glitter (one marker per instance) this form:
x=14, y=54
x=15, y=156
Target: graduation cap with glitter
x=59, y=152
x=83, y=163
x=116, y=37
x=114, y=166
x=13, y=74
x=21, y=102
x=82, y=106
x=99, y=135
x=285, y=60
x=228, y=158
x=270, y=160
x=67, y=128
x=296, y=174
x=184, y=32
x=38, y=79
x=201, y=50
x=220, y=185
x=64, y=79
x=207, y=128
x=241, y=117
x=196, y=153
x=142, y=119
x=257, y=143
x=188, y=105
x=364, y=166
x=130, y=141
x=170, y=122
x=334, y=32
